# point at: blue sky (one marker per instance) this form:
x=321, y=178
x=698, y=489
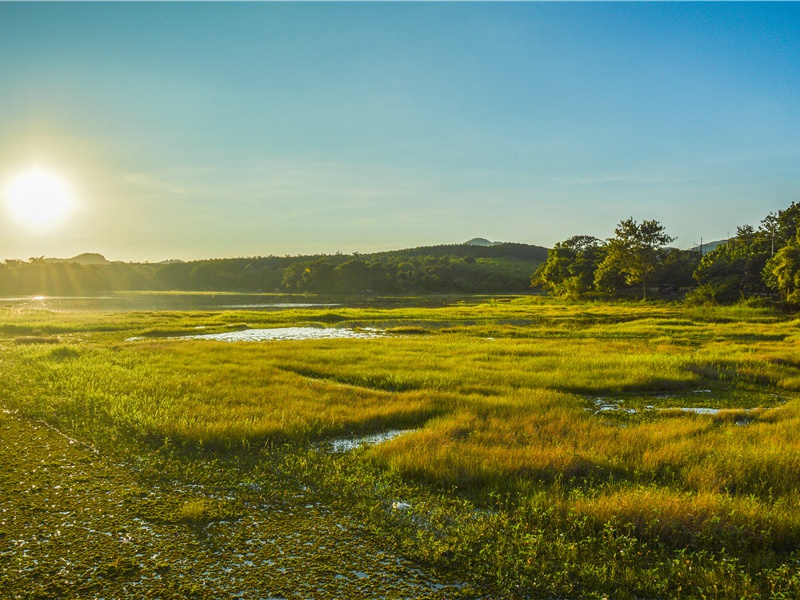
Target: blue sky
x=193, y=130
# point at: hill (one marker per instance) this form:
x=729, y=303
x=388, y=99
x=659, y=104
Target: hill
x=450, y=268
x=481, y=242
x=87, y=258
x=708, y=246
x=499, y=250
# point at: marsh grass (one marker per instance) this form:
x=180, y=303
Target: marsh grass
x=193, y=510
x=36, y=339
x=513, y=475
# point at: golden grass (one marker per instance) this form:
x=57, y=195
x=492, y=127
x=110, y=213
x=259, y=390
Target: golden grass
x=503, y=394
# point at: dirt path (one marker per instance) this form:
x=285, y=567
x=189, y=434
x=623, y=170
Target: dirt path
x=74, y=525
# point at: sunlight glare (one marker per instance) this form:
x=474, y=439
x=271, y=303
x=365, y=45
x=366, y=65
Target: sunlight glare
x=39, y=199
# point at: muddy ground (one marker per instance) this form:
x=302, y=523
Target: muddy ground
x=73, y=524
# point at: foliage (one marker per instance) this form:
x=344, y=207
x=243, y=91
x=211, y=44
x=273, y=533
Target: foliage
x=569, y=270
x=746, y=265
x=782, y=271
x=504, y=268
x=734, y=270
x=749, y=266
x=676, y=269
x=635, y=251
x=551, y=456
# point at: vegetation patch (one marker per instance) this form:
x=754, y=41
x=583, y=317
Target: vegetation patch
x=559, y=450
x=36, y=339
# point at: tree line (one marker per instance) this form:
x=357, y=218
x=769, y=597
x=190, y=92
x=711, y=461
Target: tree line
x=757, y=262
x=504, y=268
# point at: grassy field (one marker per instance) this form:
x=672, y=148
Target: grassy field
x=556, y=450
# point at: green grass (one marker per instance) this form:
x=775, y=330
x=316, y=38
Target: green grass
x=513, y=475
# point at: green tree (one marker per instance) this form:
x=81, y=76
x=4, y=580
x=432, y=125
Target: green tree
x=782, y=271
x=359, y=276
x=635, y=253
x=779, y=230
x=311, y=276
x=676, y=269
x=570, y=266
x=735, y=269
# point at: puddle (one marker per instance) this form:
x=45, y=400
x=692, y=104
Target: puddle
x=699, y=410
x=606, y=405
x=602, y=405
x=347, y=444
x=281, y=333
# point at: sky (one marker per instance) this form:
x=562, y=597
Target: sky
x=201, y=130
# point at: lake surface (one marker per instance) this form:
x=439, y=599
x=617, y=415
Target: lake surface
x=145, y=301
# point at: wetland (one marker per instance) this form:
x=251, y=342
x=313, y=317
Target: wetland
x=451, y=447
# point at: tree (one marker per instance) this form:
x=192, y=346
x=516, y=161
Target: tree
x=781, y=229
x=735, y=269
x=359, y=276
x=635, y=252
x=782, y=271
x=311, y=276
x=676, y=268
x=570, y=266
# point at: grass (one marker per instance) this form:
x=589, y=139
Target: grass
x=513, y=476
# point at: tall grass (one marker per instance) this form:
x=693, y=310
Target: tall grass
x=504, y=398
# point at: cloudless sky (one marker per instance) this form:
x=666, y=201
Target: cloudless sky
x=199, y=130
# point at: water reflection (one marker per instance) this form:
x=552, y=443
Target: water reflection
x=287, y=333
x=146, y=301
x=347, y=444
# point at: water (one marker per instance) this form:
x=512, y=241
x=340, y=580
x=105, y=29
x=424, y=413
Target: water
x=347, y=444
x=286, y=333
x=154, y=301
x=169, y=301
x=700, y=410
x=614, y=405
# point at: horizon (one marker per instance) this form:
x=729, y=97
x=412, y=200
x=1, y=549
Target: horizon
x=299, y=255
x=191, y=131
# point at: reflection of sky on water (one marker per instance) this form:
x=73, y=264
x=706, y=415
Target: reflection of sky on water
x=279, y=305
x=347, y=444
x=130, y=301
x=286, y=333
x=136, y=301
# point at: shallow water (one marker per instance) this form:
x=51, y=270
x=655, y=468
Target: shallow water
x=123, y=301
x=347, y=444
x=615, y=405
x=606, y=405
x=699, y=410
x=286, y=333
x=147, y=301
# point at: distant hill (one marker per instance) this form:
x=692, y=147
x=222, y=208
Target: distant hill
x=708, y=246
x=497, y=268
x=502, y=250
x=87, y=258
x=481, y=242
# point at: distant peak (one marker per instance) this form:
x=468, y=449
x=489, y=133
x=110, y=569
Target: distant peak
x=481, y=242
x=87, y=258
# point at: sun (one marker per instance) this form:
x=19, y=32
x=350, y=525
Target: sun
x=39, y=199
